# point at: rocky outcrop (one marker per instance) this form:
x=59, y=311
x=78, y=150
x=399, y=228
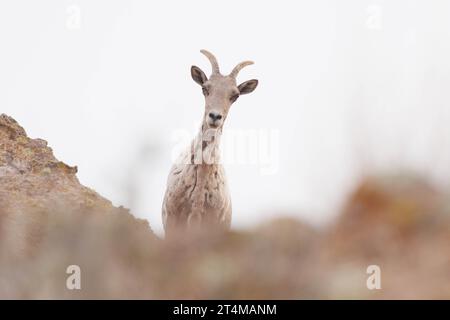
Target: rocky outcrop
x=35, y=186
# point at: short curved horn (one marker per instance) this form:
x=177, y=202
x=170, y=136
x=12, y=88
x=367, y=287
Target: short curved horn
x=238, y=68
x=213, y=60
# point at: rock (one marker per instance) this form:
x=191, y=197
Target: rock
x=34, y=185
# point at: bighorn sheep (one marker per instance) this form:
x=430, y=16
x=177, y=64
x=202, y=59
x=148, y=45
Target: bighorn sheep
x=197, y=193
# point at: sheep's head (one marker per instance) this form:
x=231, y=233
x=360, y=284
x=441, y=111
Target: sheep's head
x=220, y=91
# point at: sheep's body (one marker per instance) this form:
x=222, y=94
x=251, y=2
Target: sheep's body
x=197, y=192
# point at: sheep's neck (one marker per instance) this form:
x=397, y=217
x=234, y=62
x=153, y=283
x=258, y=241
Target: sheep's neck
x=205, y=149
x=205, y=156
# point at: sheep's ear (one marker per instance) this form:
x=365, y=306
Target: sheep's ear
x=248, y=86
x=198, y=75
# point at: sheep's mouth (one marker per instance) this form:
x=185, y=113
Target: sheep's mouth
x=213, y=125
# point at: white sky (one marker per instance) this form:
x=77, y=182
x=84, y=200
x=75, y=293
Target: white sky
x=346, y=86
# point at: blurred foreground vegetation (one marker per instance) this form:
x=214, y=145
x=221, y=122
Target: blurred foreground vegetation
x=401, y=226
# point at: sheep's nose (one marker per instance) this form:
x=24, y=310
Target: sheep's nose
x=215, y=116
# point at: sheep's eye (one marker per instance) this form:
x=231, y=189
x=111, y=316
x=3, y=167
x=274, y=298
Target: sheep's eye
x=205, y=91
x=234, y=97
